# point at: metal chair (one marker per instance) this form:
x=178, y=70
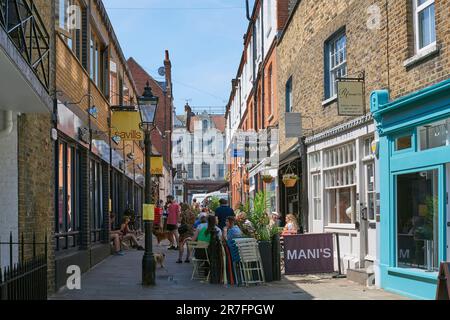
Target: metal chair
x=201, y=265
x=251, y=267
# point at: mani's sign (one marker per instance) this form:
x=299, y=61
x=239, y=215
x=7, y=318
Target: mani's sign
x=125, y=124
x=308, y=253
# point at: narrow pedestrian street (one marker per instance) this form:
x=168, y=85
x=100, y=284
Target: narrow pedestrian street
x=119, y=278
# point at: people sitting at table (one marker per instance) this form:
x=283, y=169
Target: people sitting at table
x=291, y=227
x=200, y=220
x=274, y=220
x=205, y=230
x=231, y=230
x=128, y=235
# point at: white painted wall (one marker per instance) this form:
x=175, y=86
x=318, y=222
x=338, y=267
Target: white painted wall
x=8, y=191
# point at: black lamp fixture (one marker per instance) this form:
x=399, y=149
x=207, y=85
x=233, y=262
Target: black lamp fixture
x=148, y=105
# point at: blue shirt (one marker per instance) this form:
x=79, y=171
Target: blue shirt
x=223, y=212
x=234, y=232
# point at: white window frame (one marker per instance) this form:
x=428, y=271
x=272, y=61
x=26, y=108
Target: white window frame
x=332, y=51
x=366, y=187
x=316, y=197
x=416, y=11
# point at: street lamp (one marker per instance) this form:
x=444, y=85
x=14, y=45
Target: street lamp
x=148, y=104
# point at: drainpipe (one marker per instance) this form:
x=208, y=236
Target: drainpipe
x=8, y=124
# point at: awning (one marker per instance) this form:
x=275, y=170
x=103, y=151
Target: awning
x=290, y=155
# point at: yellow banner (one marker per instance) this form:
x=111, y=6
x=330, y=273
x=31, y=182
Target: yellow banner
x=156, y=165
x=125, y=124
x=149, y=212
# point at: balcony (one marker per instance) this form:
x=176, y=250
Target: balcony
x=24, y=58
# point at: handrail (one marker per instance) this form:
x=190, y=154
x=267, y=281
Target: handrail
x=25, y=28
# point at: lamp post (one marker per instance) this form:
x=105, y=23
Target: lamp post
x=148, y=104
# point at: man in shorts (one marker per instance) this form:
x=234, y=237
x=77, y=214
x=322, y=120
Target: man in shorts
x=173, y=218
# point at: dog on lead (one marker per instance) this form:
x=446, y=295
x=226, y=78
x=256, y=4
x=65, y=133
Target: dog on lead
x=161, y=235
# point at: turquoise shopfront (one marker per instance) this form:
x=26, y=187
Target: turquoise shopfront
x=414, y=162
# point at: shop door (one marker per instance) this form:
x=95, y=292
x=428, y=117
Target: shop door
x=448, y=212
x=370, y=194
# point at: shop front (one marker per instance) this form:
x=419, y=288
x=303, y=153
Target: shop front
x=414, y=155
x=341, y=189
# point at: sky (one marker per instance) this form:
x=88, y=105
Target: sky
x=204, y=39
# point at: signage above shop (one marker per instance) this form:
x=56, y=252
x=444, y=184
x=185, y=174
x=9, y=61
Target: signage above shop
x=351, y=97
x=125, y=124
x=293, y=125
x=156, y=165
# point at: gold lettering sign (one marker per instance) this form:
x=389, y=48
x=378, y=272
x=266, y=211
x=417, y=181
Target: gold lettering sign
x=156, y=165
x=149, y=212
x=125, y=124
x=351, y=98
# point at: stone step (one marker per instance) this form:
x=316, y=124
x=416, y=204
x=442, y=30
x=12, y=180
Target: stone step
x=361, y=276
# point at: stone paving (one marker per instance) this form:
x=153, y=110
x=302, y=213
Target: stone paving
x=119, y=278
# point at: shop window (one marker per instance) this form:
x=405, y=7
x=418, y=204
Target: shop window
x=403, y=143
x=342, y=205
x=418, y=220
x=67, y=216
x=314, y=161
x=424, y=24
x=370, y=190
x=96, y=201
x=335, y=62
x=434, y=135
x=316, y=197
x=368, y=147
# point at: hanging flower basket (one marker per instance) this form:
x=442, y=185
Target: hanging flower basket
x=267, y=178
x=290, y=180
x=246, y=181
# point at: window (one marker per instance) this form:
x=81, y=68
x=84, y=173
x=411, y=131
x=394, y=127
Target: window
x=403, y=143
x=370, y=191
x=340, y=183
x=314, y=161
x=418, y=220
x=96, y=201
x=179, y=169
x=96, y=60
x=435, y=135
x=190, y=171
x=270, y=88
x=67, y=218
x=113, y=86
x=179, y=145
x=205, y=170
x=424, y=23
x=69, y=24
x=316, y=197
x=221, y=170
x=289, y=95
x=205, y=125
x=335, y=63
x=368, y=147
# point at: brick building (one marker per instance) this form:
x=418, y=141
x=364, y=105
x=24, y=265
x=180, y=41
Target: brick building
x=252, y=106
x=162, y=136
x=380, y=42
x=26, y=150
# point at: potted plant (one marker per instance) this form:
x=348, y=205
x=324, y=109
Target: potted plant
x=213, y=204
x=267, y=178
x=290, y=180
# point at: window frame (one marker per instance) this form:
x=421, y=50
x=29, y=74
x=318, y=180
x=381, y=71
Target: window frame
x=417, y=9
x=288, y=95
x=330, y=86
x=72, y=38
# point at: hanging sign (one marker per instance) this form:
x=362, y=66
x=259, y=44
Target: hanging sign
x=351, y=100
x=125, y=125
x=156, y=165
x=148, y=212
x=293, y=125
x=308, y=254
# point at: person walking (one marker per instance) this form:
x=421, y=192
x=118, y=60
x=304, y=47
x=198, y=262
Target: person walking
x=173, y=218
x=186, y=231
x=223, y=212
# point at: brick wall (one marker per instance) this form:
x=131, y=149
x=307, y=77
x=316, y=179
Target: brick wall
x=301, y=55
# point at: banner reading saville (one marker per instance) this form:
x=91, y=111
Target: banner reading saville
x=125, y=124
x=156, y=165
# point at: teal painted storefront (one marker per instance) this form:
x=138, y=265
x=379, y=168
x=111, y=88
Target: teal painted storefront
x=408, y=165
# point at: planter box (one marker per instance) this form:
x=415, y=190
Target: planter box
x=276, y=258
x=265, y=250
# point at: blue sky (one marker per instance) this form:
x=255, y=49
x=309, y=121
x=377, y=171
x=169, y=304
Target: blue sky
x=205, y=43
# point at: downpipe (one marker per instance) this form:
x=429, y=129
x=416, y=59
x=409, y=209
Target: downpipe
x=7, y=124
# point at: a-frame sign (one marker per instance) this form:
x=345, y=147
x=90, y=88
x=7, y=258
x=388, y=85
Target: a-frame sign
x=443, y=286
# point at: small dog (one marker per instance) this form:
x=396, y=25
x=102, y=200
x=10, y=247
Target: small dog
x=161, y=235
x=160, y=258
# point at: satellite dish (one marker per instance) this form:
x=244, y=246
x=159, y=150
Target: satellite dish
x=162, y=71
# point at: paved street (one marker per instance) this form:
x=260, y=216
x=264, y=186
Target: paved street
x=119, y=277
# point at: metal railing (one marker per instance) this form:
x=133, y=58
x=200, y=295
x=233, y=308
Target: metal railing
x=24, y=26
x=27, y=278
